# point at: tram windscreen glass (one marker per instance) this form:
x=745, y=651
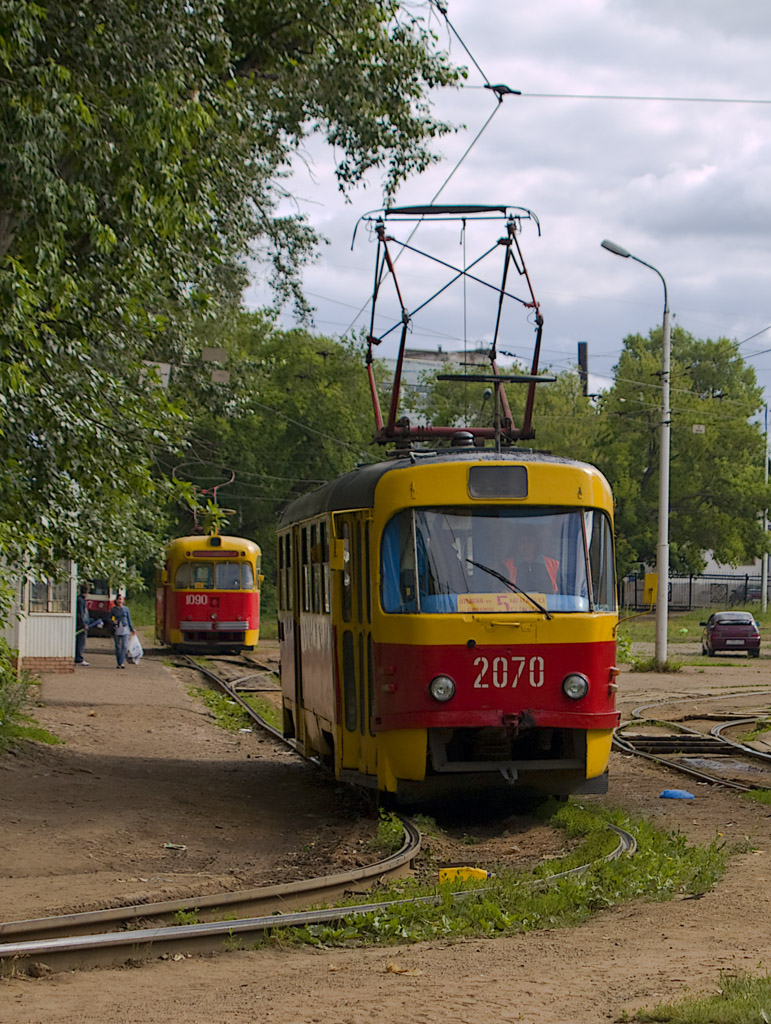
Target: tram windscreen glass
x=440, y=560
x=202, y=575
x=497, y=481
x=228, y=575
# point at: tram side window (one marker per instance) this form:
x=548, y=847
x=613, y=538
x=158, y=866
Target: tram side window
x=288, y=592
x=202, y=575
x=397, y=568
x=306, y=570
x=228, y=576
x=316, y=568
x=359, y=564
x=283, y=572
x=600, y=541
x=182, y=579
x=367, y=575
x=347, y=581
x=325, y=567
x=247, y=576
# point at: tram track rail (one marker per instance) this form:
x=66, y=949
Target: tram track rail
x=689, y=742
x=231, y=692
x=137, y=932
x=112, y=948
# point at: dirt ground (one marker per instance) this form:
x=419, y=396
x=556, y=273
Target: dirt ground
x=143, y=765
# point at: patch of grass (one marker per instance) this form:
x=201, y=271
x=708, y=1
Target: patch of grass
x=226, y=713
x=183, y=917
x=230, y=715
x=389, y=836
x=265, y=709
x=762, y=727
x=142, y=606
x=758, y=796
x=427, y=826
x=624, y=647
x=19, y=732
x=740, y=999
x=16, y=722
x=651, y=665
x=268, y=626
x=516, y=902
x=685, y=627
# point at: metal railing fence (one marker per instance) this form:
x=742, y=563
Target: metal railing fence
x=687, y=592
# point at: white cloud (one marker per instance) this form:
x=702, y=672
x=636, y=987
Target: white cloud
x=683, y=185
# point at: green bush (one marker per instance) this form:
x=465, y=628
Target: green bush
x=15, y=721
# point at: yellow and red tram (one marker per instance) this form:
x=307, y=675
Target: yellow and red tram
x=208, y=594
x=447, y=620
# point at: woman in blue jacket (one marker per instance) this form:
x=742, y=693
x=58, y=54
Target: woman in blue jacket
x=121, y=619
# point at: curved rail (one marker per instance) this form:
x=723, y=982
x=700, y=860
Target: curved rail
x=233, y=694
x=118, y=947
x=628, y=746
x=268, y=899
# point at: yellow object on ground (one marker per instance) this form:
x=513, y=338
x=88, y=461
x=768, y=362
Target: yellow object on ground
x=449, y=874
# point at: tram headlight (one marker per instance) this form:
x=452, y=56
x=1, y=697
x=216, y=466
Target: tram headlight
x=442, y=688
x=575, y=686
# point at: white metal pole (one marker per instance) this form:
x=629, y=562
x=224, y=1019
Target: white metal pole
x=662, y=549
x=764, y=562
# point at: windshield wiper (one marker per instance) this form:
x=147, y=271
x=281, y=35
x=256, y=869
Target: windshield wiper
x=511, y=585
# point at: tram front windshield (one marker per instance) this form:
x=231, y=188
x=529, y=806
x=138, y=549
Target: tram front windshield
x=214, y=576
x=497, y=560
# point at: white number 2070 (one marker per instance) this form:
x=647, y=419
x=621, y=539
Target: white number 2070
x=504, y=672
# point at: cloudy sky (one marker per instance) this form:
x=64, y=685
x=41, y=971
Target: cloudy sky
x=683, y=185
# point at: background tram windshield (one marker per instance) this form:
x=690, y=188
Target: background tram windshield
x=464, y=560
x=214, y=576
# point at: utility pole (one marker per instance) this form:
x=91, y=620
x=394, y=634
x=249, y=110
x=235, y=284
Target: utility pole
x=662, y=548
x=764, y=563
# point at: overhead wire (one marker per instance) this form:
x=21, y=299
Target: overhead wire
x=637, y=99
x=499, y=91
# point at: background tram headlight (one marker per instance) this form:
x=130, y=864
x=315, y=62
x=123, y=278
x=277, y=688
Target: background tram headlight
x=442, y=688
x=575, y=686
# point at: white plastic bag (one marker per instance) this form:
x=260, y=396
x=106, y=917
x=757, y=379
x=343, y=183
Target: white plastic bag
x=134, y=650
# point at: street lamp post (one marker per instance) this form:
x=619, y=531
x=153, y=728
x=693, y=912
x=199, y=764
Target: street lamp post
x=764, y=563
x=662, y=548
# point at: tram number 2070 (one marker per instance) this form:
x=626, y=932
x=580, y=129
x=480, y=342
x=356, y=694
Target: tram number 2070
x=502, y=672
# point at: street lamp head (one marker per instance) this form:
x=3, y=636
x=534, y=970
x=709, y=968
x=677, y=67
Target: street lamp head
x=612, y=247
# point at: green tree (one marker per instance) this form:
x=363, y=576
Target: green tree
x=295, y=413
x=717, y=489
x=565, y=421
x=144, y=150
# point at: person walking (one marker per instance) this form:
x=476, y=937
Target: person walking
x=82, y=623
x=120, y=616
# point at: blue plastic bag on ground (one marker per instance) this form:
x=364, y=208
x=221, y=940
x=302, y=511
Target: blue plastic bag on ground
x=676, y=794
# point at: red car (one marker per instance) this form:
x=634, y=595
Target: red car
x=730, y=631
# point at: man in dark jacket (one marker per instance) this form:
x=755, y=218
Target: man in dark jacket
x=81, y=626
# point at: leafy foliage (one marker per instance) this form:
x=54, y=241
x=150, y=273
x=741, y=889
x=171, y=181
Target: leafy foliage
x=717, y=488
x=716, y=478
x=296, y=413
x=663, y=867
x=16, y=722
x=740, y=999
x=390, y=834
x=144, y=152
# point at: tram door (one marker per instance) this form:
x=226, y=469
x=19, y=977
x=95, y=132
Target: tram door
x=354, y=641
x=300, y=544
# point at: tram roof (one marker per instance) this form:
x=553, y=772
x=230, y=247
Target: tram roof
x=357, y=488
x=197, y=542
